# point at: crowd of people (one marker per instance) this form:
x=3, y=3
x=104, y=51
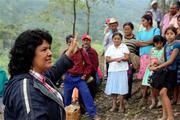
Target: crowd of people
x=31, y=91
x=155, y=46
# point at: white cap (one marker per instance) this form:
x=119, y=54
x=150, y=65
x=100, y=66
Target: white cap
x=153, y=2
x=113, y=20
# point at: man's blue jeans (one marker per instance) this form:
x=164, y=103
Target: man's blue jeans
x=70, y=83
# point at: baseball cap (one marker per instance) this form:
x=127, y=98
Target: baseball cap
x=85, y=36
x=113, y=20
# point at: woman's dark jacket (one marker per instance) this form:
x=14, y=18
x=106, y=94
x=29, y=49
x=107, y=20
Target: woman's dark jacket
x=25, y=98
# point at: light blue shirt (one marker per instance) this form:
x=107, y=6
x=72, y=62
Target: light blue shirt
x=146, y=36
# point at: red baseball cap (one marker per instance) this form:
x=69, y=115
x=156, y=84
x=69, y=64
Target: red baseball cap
x=85, y=36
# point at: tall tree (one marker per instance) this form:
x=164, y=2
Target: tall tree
x=88, y=15
x=74, y=21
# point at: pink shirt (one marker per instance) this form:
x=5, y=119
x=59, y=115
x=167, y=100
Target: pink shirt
x=166, y=22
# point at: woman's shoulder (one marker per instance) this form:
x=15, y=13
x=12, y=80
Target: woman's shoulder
x=177, y=44
x=123, y=45
x=155, y=29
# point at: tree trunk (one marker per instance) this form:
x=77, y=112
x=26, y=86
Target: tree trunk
x=74, y=22
x=163, y=5
x=88, y=16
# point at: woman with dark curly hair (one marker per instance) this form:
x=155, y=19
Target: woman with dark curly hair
x=30, y=93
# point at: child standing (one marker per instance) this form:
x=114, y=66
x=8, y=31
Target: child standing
x=156, y=58
x=171, y=53
x=117, y=82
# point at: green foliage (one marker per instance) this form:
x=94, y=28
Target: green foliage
x=98, y=47
x=4, y=59
x=56, y=16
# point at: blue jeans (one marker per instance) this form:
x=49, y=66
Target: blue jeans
x=70, y=83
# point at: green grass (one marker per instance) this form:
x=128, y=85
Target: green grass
x=98, y=47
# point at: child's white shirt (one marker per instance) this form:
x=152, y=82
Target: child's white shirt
x=114, y=52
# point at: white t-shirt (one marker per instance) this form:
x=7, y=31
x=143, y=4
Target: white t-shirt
x=114, y=52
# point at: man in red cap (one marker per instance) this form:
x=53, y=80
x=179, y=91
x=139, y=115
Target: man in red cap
x=93, y=56
x=76, y=77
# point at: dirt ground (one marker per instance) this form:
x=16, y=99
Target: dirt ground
x=133, y=109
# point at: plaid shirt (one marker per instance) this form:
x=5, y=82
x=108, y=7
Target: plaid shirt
x=42, y=79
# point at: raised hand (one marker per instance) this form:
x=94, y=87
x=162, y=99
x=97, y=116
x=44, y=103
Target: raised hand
x=73, y=46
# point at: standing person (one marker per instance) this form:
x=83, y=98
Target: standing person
x=156, y=58
x=157, y=13
x=169, y=19
x=113, y=27
x=130, y=40
x=30, y=93
x=145, y=42
x=172, y=53
x=76, y=77
x=178, y=70
x=117, y=82
x=178, y=83
x=142, y=28
x=93, y=56
x=3, y=80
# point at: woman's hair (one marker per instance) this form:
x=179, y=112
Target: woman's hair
x=149, y=13
x=23, y=51
x=159, y=38
x=129, y=24
x=148, y=18
x=117, y=33
x=171, y=28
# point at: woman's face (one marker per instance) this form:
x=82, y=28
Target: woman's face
x=117, y=40
x=145, y=22
x=127, y=30
x=42, y=59
x=170, y=36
